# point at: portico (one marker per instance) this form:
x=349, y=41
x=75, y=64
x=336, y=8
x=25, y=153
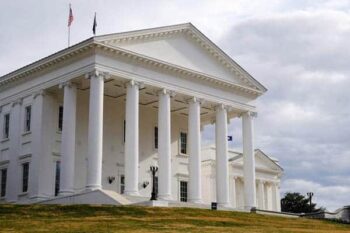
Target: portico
x=126, y=106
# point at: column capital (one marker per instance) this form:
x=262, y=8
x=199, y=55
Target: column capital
x=261, y=181
x=220, y=107
x=249, y=114
x=39, y=93
x=68, y=84
x=165, y=91
x=97, y=74
x=132, y=83
x=18, y=101
x=195, y=100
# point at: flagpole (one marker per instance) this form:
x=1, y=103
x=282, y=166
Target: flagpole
x=69, y=26
x=68, y=36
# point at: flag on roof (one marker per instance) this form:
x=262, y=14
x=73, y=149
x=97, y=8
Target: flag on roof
x=94, y=25
x=70, y=17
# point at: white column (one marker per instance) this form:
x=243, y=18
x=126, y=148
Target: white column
x=95, y=136
x=40, y=179
x=278, y=198
x=164, y=146
x=248, y=160
x=13, y=170
x=68, y=139
x=276, y=203
x=132, y=139
x=222, y=181
x=194, y=151
x=261, y=195
x=269, y=205
x=233, y=194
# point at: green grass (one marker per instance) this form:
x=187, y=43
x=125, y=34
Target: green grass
x=84, y=218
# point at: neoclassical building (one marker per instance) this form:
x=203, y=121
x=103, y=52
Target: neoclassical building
x=94, y=117
x=268, y=175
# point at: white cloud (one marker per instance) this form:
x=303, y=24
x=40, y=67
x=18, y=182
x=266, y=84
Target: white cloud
x=326, y=196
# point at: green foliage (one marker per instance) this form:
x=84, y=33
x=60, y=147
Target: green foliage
x=297, y=203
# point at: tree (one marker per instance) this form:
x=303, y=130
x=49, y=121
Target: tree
x=297, y=203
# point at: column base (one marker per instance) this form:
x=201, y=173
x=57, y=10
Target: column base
x=65, y=193
x=92, y=187
x=166, y=197
x=131, y=193
x=196, y=201
x=224, y=205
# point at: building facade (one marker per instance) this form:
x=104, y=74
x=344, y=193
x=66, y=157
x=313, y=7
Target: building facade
x=268, y=175
x=97, y=115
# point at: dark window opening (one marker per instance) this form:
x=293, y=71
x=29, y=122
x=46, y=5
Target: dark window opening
x=6, y=125
x=3, y=182
x=183, y=191
x=25, y=177
x=156, y=137
x=28, y=116
x=122, y=184
x=57, y=177
x=60, y=118
x=183, y=143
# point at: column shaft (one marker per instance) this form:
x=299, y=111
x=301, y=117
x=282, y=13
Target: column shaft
x=278, y=198
x=14, y=168
x=261, y=197
x=132, y=139
x=95, y=137
x=164, y=145
x=194, y=150
x=68, y=139
x=233, y=194
x=248, y=161
x=222, y=181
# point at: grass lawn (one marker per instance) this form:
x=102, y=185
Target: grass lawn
x=83, y=218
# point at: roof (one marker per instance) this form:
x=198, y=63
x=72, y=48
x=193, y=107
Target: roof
x=234, y=156
x=102, y=40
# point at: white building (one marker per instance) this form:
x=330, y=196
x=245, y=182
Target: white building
x=96, y=115
x=267, y=171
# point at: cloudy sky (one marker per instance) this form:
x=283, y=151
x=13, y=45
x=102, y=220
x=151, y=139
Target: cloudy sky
x=298, y=49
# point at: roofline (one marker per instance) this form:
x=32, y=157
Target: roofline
x=228, y=57
x=97, y=39
x=198, y=33
x=145, y=30
x=55, y=55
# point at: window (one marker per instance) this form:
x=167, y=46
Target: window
x=183, y=191
x=6, y=125
x=156, y=137
x=60, y=118
x=3, y=182
x=28, y=116
x=57, y=177
x=122, y=184
x=25, y=176
x=183, y=143
x=124, y=131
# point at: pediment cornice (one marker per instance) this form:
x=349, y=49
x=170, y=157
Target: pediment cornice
x=101, y=43
x=177, y=69
x=47, y=62
x=194, y=34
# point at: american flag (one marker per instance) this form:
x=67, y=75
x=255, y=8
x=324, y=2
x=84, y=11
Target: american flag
x=70, y=17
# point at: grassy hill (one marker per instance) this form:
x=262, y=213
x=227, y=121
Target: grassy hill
x=83, y=218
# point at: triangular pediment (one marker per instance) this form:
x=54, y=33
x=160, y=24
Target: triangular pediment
x=262, y=161
x=184, y=46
